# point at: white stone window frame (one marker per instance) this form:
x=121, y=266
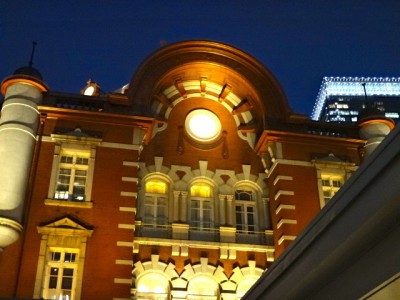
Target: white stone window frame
x=61, y=265
x=333, y=171
x=330, y=188
x=62, y=234
x=87, y=148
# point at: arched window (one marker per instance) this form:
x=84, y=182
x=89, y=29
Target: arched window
x=201, y=206
x=155, y=202
x=245, y=210
x=202, y=287
x=152, y=286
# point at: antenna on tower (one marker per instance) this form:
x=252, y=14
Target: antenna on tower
x=365, y=91
x=32, y=54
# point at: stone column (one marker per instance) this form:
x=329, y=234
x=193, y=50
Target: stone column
x=229, y=210
x=18, y=126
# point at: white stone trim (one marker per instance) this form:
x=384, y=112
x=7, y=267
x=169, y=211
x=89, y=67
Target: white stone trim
x=127, y=209
x=286, y=221
x=120, y=146
x=123, y=280
x=286, y=238
x=129, y=194
x=202, y=245
x=130, y=179
x=126, y=262
x=130, y=163
x=287, y=162
x=124, y=244
x=283, y=193
x=284, y=206
x=282, y=177
x=126, y=226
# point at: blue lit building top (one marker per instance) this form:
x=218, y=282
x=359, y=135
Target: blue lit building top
x=341, y=99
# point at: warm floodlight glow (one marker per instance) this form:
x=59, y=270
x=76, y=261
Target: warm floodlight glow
x=202, y=125
x=91, y=89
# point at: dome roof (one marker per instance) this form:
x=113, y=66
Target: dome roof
x=29, y=71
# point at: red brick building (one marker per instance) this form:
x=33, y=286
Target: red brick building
x=187, y=184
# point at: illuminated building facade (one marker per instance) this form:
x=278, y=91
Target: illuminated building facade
x=187, y=184
x=342, y=99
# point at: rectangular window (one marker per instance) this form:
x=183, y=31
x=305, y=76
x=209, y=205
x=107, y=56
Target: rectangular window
x=155, y=203
x=245, y=211
x=60, y=274
x=330, y=185
x=72, y=175
x=155, y=210
x=201, y=213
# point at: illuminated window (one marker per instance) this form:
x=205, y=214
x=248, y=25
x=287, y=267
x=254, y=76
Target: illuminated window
x=155, y=203
x=152, y=286
x=201, y=206
x=60, y=274
x=202, y=287
x=245, y=210
x=61, y=260
x=72, y=175
x=330, y=185
x=202, y=125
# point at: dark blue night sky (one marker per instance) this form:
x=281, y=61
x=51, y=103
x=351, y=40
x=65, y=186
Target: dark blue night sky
x=299, y=41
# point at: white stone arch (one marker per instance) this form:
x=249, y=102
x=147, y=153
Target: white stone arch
x=152, y=279
x=203, y=273
x=245, y=277
x=203, y=285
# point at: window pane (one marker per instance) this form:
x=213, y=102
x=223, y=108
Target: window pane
x=156, y=187
x=200, y=190
x=243, y=195
x=66, y=283
x=82, y=161
x=66, y=159
x=55, y=256
x=68, y=272
x=82, y=173
x=70, y=257
x=53, y=282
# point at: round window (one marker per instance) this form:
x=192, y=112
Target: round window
x=202, y=125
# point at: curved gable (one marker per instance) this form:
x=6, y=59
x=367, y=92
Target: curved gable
x=196, y=69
